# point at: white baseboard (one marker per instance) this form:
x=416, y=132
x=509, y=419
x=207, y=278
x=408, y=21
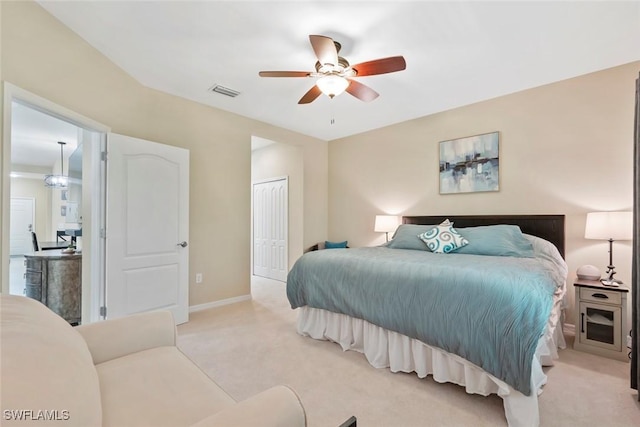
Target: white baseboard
x=220, y=303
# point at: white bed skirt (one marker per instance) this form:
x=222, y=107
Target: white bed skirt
x=387, y=349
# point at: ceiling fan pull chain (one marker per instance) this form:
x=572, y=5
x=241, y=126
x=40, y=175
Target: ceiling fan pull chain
x=333, y=120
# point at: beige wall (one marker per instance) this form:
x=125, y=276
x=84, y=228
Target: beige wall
x=44, y=57
x=565, y=148
x=284, y=160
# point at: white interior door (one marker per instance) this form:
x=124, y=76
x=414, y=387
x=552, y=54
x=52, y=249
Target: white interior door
x=270, y=229
x=147, y=227
x=22, y=222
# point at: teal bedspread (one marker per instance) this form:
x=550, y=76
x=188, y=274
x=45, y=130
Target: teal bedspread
x=489, y=310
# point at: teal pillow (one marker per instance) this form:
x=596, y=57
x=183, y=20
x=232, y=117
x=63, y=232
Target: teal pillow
x=406, y=237
x=443, y=239
x=496, y=240
x=335, y=245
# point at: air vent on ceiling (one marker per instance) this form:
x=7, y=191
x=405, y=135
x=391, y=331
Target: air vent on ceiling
x=224, y=91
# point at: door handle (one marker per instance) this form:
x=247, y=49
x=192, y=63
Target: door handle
x=183, y=244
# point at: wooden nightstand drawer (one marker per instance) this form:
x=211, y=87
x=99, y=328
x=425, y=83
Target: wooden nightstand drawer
x=600, y=295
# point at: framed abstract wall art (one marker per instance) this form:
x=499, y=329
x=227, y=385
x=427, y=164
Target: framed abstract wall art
x=470, y=164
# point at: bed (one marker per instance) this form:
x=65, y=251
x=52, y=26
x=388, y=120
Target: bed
x=486, y=316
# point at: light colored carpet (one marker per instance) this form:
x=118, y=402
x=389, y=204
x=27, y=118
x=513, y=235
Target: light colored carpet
x=250, y=346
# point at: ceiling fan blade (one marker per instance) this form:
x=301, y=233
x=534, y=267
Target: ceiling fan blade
x=324, y=49
x=360, y=91
x=311, y=95
x=284, y=74
x=380, y=66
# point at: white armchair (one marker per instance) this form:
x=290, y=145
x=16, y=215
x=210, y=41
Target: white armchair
x=121, y=372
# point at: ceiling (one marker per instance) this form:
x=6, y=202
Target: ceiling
x=457, y=53
x=35, y=136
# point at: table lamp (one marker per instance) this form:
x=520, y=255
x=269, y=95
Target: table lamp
x=385, y=224
x=609, y=226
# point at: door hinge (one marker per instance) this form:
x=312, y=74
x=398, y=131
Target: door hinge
x=103, y=311
x=103, y=156
x=103, y=233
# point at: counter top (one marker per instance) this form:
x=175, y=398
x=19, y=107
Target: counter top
x=53, y=254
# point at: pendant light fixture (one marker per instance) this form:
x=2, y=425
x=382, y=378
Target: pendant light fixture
x=58, y=181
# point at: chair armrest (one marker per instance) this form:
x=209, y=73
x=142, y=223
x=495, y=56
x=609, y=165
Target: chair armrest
x=115, y=338
x=276, y=407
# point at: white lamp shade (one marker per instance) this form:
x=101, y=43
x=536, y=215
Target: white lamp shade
x=609, y=225
x=386, y=223
x=332, y=85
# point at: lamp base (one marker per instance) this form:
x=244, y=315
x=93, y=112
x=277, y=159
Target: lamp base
x=610, y=280
x=614, y=283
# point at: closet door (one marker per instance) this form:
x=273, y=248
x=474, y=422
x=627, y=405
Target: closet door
x=270, y=229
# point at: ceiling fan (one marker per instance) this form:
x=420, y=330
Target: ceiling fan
x=335, y=74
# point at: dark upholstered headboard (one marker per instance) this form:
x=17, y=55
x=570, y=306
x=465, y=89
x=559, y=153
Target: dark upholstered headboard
x=548, y=227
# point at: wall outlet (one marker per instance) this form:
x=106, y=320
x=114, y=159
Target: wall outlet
x=629, y=341
x=198, y=277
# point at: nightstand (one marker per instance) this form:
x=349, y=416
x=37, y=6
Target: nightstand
x=601, y=319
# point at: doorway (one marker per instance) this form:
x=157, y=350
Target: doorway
x=31, y=126
x=271, y=161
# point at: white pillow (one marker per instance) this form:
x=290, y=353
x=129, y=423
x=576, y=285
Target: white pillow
x=443, y=238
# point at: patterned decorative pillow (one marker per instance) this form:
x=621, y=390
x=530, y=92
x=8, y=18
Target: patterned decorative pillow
x=443, y=238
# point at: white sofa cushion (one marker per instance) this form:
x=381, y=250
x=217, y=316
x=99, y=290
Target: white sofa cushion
x=47, y=367
x=157, y=387
x=125, y=335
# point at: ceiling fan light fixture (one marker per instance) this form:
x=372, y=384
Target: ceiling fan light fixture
x=332, y=85
x=334, y=72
